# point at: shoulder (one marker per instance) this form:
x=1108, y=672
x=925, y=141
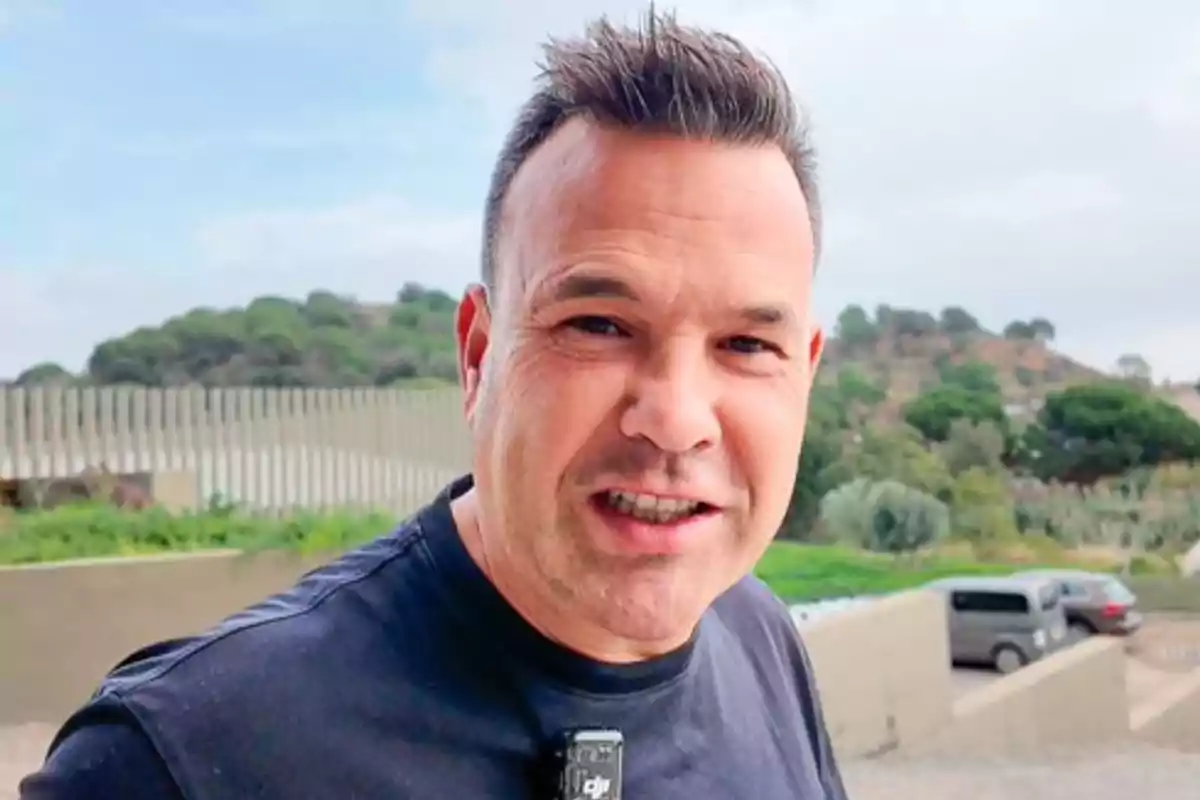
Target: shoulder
x=102, y=752
x=760, y=625
x=752, y=611
x=324, y=605
x=270, y=673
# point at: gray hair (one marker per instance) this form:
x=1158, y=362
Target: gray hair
x=662, y=77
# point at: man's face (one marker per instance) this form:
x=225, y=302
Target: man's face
x=638, y=385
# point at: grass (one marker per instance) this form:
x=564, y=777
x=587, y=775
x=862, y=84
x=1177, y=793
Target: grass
x=86, y=531
x=799, y=572
x=796, y=572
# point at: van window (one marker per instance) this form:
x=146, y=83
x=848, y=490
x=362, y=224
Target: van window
x=1048, y=597
x=991, y=602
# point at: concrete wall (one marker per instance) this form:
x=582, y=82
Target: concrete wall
x=1163, y=593
x=883, y=672
x=1073, y=700
x=1171, y=716
x=882, y=668
x=62, y=627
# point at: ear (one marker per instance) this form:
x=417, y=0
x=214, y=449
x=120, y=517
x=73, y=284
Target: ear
x=816, y=348
x=472, y=333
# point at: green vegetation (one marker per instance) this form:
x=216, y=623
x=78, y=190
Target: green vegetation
x=1100, y=465
x=98, y=530
x=933, y=444
x=794, y=571
x=322, y=341
x=809, y=572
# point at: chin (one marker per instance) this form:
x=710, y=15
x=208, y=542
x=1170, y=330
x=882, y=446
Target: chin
x=649, y=609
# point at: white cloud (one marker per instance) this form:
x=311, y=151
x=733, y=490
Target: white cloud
x=367, y=249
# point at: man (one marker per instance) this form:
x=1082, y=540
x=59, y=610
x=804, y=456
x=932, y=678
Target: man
x=636, y=365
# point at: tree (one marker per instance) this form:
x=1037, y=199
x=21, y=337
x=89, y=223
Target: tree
x=854, y=328
x=982, y=508
x=1019, y=331
x=971, y=445
x=894, y=454
x=933, y=411
x=972, y=376
x=957, y=320
x=857, y=393
x=1025, y=377
x=46, y=372
x=1133, y=367
x=323, y=340
x=1042, y=329
x=1037, y=329
x=1089, y=431
x=815, y=476
x=908, y=322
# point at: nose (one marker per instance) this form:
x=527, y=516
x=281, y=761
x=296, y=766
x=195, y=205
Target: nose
x=672, y=401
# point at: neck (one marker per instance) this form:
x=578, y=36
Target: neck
x=541, y=610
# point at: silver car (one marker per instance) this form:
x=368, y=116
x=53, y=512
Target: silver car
x=1002, y=622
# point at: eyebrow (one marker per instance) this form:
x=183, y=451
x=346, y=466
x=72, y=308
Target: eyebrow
x=582, y=286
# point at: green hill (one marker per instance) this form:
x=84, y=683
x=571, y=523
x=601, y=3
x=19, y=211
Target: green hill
x=330, y=340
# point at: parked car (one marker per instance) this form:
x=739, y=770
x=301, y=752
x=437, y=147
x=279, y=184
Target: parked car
x=1002, y=622
x=1094, y=602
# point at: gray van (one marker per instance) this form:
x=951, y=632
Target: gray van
x=1002, y=622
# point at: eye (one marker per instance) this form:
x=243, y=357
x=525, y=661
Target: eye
x=750, y=345
x=596, y=326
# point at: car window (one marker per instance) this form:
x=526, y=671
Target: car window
x=991, y=602
x=1117, y=592
x=1048, y=597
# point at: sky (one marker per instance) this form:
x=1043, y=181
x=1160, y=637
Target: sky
x=1019, y=159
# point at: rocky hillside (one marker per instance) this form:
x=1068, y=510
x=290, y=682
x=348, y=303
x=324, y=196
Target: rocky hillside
x=890, y=354
x=901, y=352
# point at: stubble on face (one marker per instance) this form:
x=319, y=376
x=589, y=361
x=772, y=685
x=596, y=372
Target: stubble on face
x=645, y=391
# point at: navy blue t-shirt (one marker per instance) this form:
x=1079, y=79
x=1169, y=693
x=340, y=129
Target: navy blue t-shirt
x=399, y=672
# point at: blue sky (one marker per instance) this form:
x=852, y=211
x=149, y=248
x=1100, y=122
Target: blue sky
x=1019, y=159
x=122, y=130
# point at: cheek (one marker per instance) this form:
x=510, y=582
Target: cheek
x=765, y=429
x=553, y=408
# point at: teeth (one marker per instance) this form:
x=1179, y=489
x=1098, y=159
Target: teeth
x=650, y=508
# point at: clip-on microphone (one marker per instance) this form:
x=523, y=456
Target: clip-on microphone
x=589, y=762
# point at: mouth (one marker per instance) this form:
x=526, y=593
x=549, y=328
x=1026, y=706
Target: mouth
x=652, y=509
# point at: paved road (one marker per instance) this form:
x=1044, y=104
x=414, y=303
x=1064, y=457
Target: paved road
x=966, y=680
x=1118, y=774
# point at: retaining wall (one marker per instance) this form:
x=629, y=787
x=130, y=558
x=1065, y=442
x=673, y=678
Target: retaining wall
x=1073, y=700
x=64, y=626
x=883, y=671
x=882, y=667
x=1171, y=716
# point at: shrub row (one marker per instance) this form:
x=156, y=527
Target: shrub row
x=795, y=571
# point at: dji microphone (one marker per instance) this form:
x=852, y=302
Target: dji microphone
x=589, y=764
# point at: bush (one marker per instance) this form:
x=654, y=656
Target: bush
x=884, y=516
x=95, y=531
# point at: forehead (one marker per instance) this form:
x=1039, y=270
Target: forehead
x=686, y=210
